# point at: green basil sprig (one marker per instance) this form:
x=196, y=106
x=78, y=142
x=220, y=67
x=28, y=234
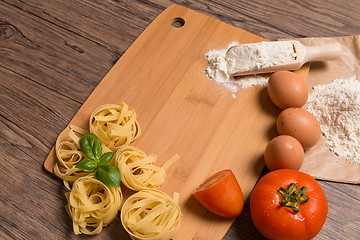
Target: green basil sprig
x=104, y=172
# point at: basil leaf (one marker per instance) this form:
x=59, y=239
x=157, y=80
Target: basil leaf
x=105, y=158
x=109, y=175
x=87, y=165
x=91, y=146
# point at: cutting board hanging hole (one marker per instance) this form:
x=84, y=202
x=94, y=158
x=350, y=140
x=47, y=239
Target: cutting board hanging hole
x=178, y=22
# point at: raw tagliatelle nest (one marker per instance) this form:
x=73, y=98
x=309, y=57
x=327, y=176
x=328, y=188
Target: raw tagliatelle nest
x=115, y=125
x=151, y=215
x=69, y=154
x=137, y=169
x=92, y=205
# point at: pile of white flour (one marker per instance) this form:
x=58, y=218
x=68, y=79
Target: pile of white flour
x=337, y=107
x=217, y=70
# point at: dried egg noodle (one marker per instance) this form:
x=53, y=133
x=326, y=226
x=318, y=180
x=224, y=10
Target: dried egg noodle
x=92, y=205
x=137, y=169
x=151, y=215
x=69, y=154
x=115, y=125
x=67, y=151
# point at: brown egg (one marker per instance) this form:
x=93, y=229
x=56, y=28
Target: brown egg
x=300, y=124
x=284, y=152
x=287, y=89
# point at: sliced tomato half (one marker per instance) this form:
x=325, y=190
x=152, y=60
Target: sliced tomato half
x=221, y=194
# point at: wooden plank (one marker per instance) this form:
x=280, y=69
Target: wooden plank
x=46, y=53
x=181, y=111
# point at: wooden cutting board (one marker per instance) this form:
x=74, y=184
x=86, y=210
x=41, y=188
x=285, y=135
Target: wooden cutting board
x=180, y=110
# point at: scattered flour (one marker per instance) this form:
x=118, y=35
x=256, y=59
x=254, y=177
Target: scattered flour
x=217, y=70
x=259, y=55
x=337, y=107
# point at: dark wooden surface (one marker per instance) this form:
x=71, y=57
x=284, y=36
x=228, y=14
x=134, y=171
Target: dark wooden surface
x=54, y=53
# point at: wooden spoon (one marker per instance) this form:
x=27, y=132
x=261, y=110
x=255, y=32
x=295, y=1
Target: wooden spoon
x=304, y=54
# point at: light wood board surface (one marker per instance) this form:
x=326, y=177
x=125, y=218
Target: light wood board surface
x=182, y=111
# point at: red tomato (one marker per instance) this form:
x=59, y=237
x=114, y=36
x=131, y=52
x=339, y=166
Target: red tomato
x=221, y=194
x=275, y=221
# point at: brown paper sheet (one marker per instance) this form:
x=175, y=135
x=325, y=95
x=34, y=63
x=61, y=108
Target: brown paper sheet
x=319, y=161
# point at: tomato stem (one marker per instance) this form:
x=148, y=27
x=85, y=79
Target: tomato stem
x=293, y=197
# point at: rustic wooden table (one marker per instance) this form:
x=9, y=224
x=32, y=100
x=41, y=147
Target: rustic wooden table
x=54, y=53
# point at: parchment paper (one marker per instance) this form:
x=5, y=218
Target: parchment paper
x=319, y=161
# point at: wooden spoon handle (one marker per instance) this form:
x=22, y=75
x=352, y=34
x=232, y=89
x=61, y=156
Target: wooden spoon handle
x=323, y=52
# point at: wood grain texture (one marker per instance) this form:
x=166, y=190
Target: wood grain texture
x=54, y=53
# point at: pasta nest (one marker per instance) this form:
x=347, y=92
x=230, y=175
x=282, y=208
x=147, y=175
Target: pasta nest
x=69, y=154
x=115, y=125
x=137, y=169
x=92, y=205
x=151, y=215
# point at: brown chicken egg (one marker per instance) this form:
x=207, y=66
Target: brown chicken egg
x=284, y=151
x=287, y=89
x=300, y=124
